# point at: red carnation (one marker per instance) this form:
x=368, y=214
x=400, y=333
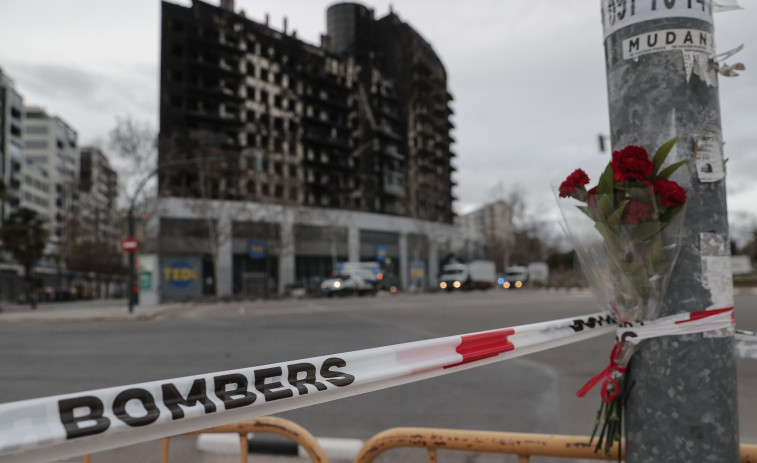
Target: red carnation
x=631, y=163
x=575, y=180
x=672, y=194
x=636, y=211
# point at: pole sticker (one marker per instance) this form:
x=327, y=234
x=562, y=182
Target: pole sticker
x=617, y=14
x=689, y=40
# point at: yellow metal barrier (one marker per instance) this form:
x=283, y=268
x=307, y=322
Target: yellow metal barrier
x=267, y=424
x=521, y=444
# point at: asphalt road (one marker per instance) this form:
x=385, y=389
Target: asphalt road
x=528, y=394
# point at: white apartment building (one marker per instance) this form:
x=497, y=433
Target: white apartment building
x=51, y=145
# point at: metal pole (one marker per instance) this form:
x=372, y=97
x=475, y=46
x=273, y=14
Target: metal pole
x=130, y=290
x=682, y=406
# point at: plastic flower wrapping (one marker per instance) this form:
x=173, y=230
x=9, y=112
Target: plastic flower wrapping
x=626, y=233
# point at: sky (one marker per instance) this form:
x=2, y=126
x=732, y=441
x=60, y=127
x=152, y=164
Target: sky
x=528, y=80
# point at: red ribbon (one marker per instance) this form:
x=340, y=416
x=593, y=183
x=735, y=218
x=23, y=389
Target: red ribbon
x=606, y=374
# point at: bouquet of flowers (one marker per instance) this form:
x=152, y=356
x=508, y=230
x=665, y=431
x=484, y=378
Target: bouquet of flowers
x=626, y=233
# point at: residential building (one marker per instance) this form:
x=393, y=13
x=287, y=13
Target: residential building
x=494, y=221
x=37, y=191
x=51, y=145
x=349, y=141
x=11, y=143
x=97, y=220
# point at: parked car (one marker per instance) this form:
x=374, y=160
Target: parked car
x=349, y=283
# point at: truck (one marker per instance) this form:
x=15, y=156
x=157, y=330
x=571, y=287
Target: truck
x=514, y=277
x=538, y=273
x=518, y=276
x=477, y=274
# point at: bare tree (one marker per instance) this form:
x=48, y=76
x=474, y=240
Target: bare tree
x=134, y=144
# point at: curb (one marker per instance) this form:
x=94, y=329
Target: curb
x=228, y=443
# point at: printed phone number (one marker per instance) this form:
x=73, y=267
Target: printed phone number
x=618, y=13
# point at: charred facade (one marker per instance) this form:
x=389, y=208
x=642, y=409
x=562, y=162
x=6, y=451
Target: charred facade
x=360, y=122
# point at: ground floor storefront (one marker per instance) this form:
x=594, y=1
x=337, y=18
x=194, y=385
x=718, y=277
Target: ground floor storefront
x=197, y=248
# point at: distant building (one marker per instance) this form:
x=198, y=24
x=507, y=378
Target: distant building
x=494, y=221
x=50, y=144
x=11, y=143
x=98, y=220
x=348, y=142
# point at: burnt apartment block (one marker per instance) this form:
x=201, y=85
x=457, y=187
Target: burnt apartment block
x=247, y=112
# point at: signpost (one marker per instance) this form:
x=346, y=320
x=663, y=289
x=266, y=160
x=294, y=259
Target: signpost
x=129, y=244
x=661, y=83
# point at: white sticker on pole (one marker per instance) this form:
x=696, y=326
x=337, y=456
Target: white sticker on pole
x=746, y=344
x=688, y=40
x=708, y=155
x=58, y=427
x=617, y=14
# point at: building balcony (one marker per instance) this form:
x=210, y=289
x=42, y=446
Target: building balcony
x=391, y=151
x=394, y=184
x=221, y=44
x=216, y=68
x=388, y=132
x=333, y=162
x=216, y=93
x=325, y=140
x=214, y=116
x=389, y=112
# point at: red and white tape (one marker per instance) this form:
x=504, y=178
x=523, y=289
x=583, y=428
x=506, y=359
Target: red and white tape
x=678, y=324
x=63, y=426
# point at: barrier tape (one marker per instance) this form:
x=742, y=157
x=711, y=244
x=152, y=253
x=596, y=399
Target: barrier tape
x=69, y=425
x=678, y=324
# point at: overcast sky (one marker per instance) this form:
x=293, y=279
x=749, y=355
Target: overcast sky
x=527, y=76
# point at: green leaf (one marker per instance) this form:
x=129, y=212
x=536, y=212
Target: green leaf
x=604, y=201
x=614, y=219
x=605, y=186
x=662, y=153
x=638, y=191
x=668, y=171
x=644, y=231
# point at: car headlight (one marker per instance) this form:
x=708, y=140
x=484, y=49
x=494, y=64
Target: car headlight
x=518, y=284
x=443, y=285
x=456, y=284
x=506, y=285
x=337, y=284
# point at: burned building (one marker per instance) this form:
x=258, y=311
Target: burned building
x=360, y=122
x=308, y=155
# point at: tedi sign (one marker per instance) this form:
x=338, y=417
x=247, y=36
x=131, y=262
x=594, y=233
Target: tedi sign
x=181, y=277
x=180, y=274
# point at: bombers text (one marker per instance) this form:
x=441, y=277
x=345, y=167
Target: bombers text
x=86, y=415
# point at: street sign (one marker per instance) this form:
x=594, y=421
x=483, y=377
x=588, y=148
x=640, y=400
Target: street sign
x=256, y=249
x=129, y=244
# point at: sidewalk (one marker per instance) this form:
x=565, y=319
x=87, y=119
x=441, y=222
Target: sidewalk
x=117, y=309
x=85, y=310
